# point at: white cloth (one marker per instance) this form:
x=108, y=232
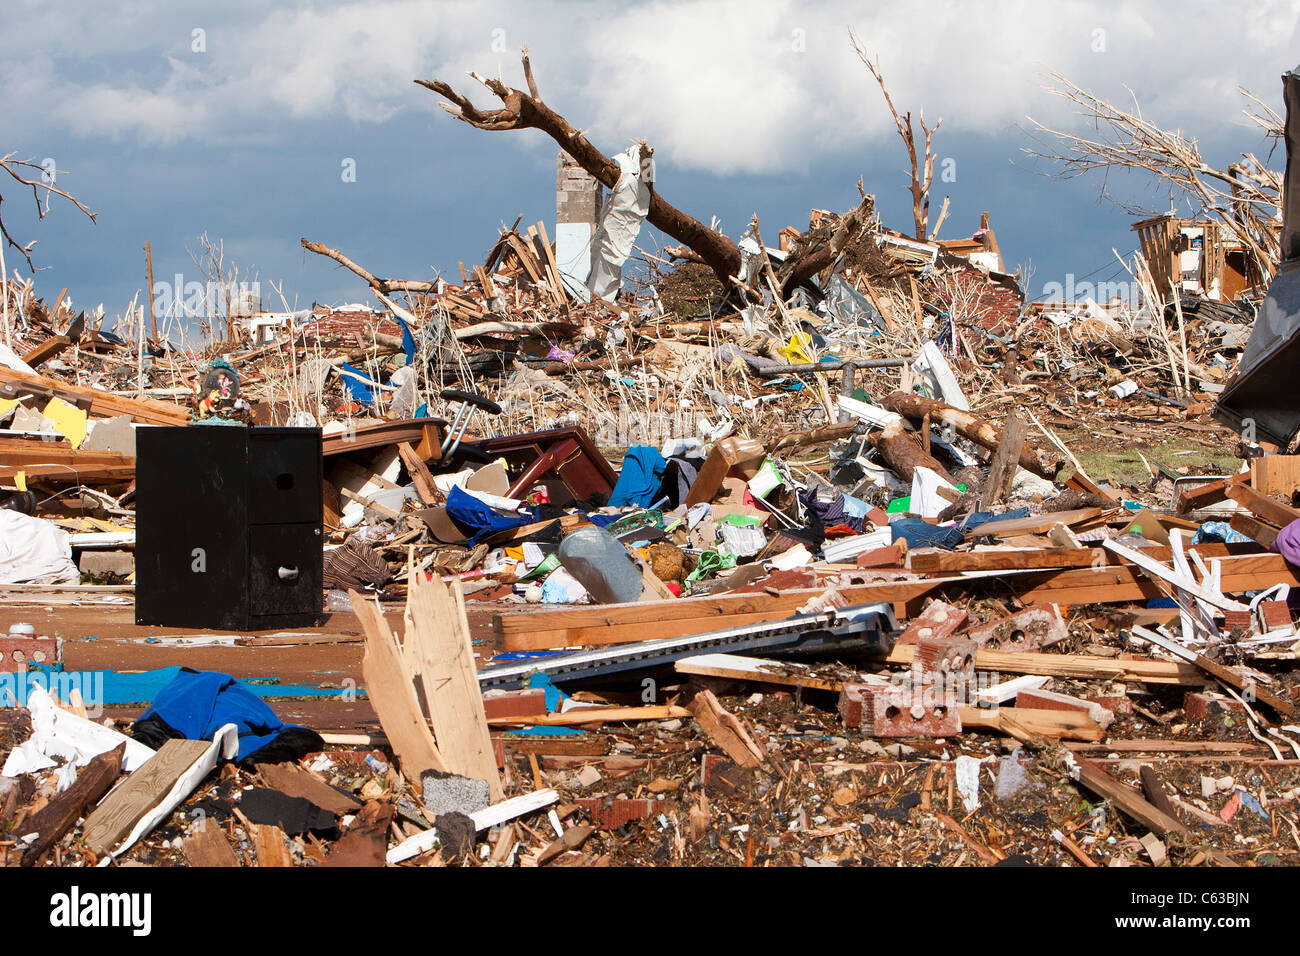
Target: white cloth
x=620, y=222
x=33, y=551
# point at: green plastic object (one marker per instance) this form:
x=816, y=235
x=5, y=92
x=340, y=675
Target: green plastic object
x=899, y=506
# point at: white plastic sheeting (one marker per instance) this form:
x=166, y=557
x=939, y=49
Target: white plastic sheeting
x=34, y=551
x=61, y=733
x=620, y=220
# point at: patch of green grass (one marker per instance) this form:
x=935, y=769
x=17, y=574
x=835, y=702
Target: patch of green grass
x=1100, y=460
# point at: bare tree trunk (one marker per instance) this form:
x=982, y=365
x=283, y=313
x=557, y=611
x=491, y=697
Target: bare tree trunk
x=527, y=111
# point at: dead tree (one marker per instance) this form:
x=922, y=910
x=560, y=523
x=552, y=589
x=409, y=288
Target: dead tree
x=526, y=110
x=1244, y=196
x=12, y=167
x=922, y=167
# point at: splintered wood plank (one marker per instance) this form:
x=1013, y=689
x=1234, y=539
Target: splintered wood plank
x=1270, y=475
x=1128, y=800
x=391, y=693
x=270, y=845
x=942, y=562
x=1073, y=665
x=366, y=840
x=139, y=793
x=421, y=477
x=1041, y=723
x=207, y=846
x=1253, y=528
x=293, y=780
x=726, y=731
x=438, y=644
x=61, y=814
x=1006, y=459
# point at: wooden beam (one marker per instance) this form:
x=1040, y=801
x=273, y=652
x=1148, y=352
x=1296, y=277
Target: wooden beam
x=143, y=790
x=947, y=562
x=1262, y=506
x=146, y=411
x=60, y=815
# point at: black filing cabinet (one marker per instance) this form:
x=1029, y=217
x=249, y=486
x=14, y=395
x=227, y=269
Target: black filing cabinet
x=228, y=527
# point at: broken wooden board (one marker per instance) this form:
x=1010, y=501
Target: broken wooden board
x=620, y=623
x=1034, y=524
x=1056, y=724
x=52, y=821
x=1261, y=532
x=1275, y=475
x=392, y=695
x=1019, y=559
x=726, y=731
x=1127, y=799
x=269, y=845
x=439, y=650
x=1210, y=493
x=1262, y=506
x=593, y=715
x=738, y=667
x=207, y=846
x=1074, y=665
x=292, y=780
x=139, y=793
x=102, y=403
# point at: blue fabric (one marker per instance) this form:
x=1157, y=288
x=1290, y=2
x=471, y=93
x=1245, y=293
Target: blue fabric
x=639, y=481
x=408, y=340
x=920, y=534
x=197, y=703
x=469, y=512
x=360, y=391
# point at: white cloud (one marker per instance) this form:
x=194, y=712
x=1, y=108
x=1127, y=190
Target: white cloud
x=723, y=86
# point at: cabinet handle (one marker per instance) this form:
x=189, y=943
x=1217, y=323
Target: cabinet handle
x=288, y=574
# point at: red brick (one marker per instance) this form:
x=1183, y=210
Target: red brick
x=936, y=621
x=1198, y=705
x=1276, y=616
x=1120, y=706
x=946, y=658
x=16, y=652
x=890, y=557
x=896, y=712
x=1239, y=619
x=1028, y=630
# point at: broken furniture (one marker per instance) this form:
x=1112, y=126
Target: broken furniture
x=564, y=460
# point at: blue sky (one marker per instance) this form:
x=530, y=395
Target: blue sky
x=176, y=119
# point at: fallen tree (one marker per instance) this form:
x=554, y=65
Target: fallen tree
x=976, y=429
x=526, y=110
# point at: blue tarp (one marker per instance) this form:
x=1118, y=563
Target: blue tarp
x=359, y=390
